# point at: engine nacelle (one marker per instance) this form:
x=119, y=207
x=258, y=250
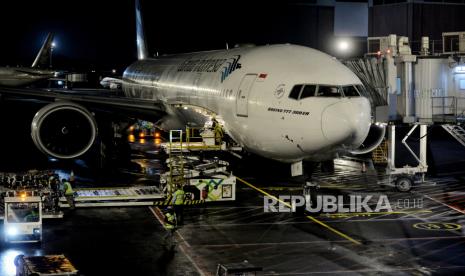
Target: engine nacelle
x=374, y=139
x=64, y=130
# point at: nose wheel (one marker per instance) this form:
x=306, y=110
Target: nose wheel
x=310, y=192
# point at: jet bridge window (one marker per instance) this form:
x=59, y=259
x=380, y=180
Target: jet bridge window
x=295, y=92
x=328, y=91
x=308, y=91
x=350, y=91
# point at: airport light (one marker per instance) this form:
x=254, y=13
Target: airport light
x=12, y=231
x=343, y=46
x=51, y=52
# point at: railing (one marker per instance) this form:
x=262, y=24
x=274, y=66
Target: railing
x=435, y=47
x=448, y=109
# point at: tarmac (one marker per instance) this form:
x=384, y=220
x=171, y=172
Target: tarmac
x=423, y=234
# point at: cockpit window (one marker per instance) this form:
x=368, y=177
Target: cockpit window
x=361, y=89
x=295, y=92
x=308, y=91
x=328, y=91
x=350, y=91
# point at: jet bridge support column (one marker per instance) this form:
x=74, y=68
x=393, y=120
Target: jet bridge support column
x=392, y=146
x=405, y=103
x=403, y=178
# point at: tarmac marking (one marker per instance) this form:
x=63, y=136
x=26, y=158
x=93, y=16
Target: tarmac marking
x=309, y=217
x=192, y=261
x=184, y=251
x=433, y=238
x=366, y=270
x=437, y=226
x=157, y=215
x=369, y=214
x=442, y=203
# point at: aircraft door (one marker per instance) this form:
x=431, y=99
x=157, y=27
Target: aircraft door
x=242, y=99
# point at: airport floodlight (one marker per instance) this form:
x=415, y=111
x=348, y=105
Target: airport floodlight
x=343, y=45
x=53, y=46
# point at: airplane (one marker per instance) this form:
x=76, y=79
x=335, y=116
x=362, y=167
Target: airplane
x=283, y=102
x=22, y=76
x=111, y=83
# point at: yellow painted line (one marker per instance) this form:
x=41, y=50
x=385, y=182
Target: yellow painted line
x=282, y=188
x=339, y=233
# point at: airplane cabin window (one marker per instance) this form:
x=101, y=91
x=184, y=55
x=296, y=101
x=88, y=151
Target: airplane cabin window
x=350, y=91
x=328, y=91
x=295, y=92
x=308, y=91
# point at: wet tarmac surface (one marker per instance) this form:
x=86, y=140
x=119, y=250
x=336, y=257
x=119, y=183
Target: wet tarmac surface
x=423, y=235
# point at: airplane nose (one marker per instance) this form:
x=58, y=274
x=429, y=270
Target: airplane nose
x=347, y=122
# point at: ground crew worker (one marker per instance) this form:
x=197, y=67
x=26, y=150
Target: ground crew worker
x=69, y=193
x=178, y=203
x=170, y=224
x=33, y=216
x=51, y=179
x=218, y=130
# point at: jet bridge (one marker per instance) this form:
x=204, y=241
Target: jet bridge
x=417, y=88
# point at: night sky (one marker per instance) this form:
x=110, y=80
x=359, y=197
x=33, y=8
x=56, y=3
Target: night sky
x=101, y=33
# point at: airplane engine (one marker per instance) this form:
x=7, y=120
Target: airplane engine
x=374, y=139
x=64, y=130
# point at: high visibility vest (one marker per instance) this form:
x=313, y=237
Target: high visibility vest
x=67, y=188
x=218, y=132
x=178, y=197
x=170, y=221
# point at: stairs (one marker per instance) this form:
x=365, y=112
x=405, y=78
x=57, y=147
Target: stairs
x=457, y=132
x=176, y=161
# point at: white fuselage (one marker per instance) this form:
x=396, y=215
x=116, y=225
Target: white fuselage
x=249, y=89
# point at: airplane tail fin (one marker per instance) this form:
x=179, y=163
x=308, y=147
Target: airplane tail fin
x=142, y=52
x=43, y=57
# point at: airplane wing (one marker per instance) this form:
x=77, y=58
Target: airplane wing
x=65, y=125
x=93, y=99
